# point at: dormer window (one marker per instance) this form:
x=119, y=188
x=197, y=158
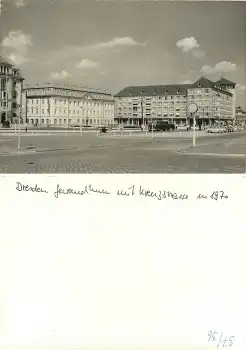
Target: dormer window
x=199, y=85
x=130, y=94
x=153, y=92
x=178, y=91
x=166, y=91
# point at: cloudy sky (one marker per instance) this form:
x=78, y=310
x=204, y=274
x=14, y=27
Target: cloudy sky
x=113, y=44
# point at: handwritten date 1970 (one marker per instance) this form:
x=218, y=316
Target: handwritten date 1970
x=220, y=340
x=215, y=195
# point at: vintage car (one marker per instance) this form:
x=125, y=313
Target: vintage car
x=216, y=130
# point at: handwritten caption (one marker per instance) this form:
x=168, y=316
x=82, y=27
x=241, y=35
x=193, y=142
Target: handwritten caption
x=220, y=339
x=130, y=191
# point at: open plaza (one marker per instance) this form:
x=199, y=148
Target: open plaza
x=122, y=152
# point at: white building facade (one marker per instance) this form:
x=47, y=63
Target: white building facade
x=66, y=106
x=11, y=85
x=240, y=115
x=138, y=104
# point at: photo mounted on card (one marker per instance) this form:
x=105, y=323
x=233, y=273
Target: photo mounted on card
x=122, y=87
x=122, y=175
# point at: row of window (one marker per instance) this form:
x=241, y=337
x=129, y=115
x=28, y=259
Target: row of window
x=177, y=97
x=93, y=113
x=203, y=110
x=3, y=85
x=208, y=97
x=198, y=91
x=6, y=69
x=151, y=99
x=71, y=103
x=7, y=105
x=14, y=95
x=64, y=121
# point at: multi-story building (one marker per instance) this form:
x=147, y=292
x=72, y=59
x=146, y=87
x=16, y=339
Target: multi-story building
x=11, y=85
x=137, y=104
x=59, y=105
x=240, y=115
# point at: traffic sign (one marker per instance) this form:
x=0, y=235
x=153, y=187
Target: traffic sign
x=193, y=108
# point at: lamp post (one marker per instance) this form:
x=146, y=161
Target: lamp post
x=203, y=117
x=142, y=114
x=20, y=114
x=26, y=110
x=193, y=109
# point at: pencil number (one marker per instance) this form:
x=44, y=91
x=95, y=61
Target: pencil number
x=220, y=339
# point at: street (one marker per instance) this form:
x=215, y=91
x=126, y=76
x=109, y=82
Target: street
x=123, y=154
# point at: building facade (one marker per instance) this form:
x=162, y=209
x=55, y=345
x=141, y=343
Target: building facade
x=240, y=115
x=51, y=104
x=11, y=85
x=135, y=105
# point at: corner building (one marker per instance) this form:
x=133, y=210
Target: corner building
x=11, y=85
x=138, y=104
x=65, y=106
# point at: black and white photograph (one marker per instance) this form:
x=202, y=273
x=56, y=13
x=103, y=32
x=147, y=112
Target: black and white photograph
x=122, y=175
x=122, y=87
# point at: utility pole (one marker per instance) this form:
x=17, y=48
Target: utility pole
x=142, y=114
x=193, y=109
x=26, y=110
x=0, y=98
x=6, y=98
x=20, y=114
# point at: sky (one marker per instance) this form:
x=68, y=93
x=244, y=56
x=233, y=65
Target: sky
x=113, y=44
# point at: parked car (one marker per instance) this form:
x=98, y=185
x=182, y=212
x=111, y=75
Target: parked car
x=216, y=130
x=131, y=126
x=181, y=127
x=103, y=129
x=86, y=126
x=74, y=126
x=161, y=126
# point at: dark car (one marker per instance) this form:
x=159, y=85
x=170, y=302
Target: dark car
x=131, y=126
x=6, y=124
x=161, y=126
x=103, y=129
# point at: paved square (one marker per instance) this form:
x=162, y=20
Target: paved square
x=92, y=153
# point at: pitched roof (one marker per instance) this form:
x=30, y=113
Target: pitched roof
x=206, y=83
x=224, y=81
x=4, y=61
x=150, y=90
x=49, y=86
x=161, y=90
x=203, y=83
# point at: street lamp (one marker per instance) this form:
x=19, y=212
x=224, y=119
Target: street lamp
x=26, y=111
x=142, y=114
x=193, y=109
